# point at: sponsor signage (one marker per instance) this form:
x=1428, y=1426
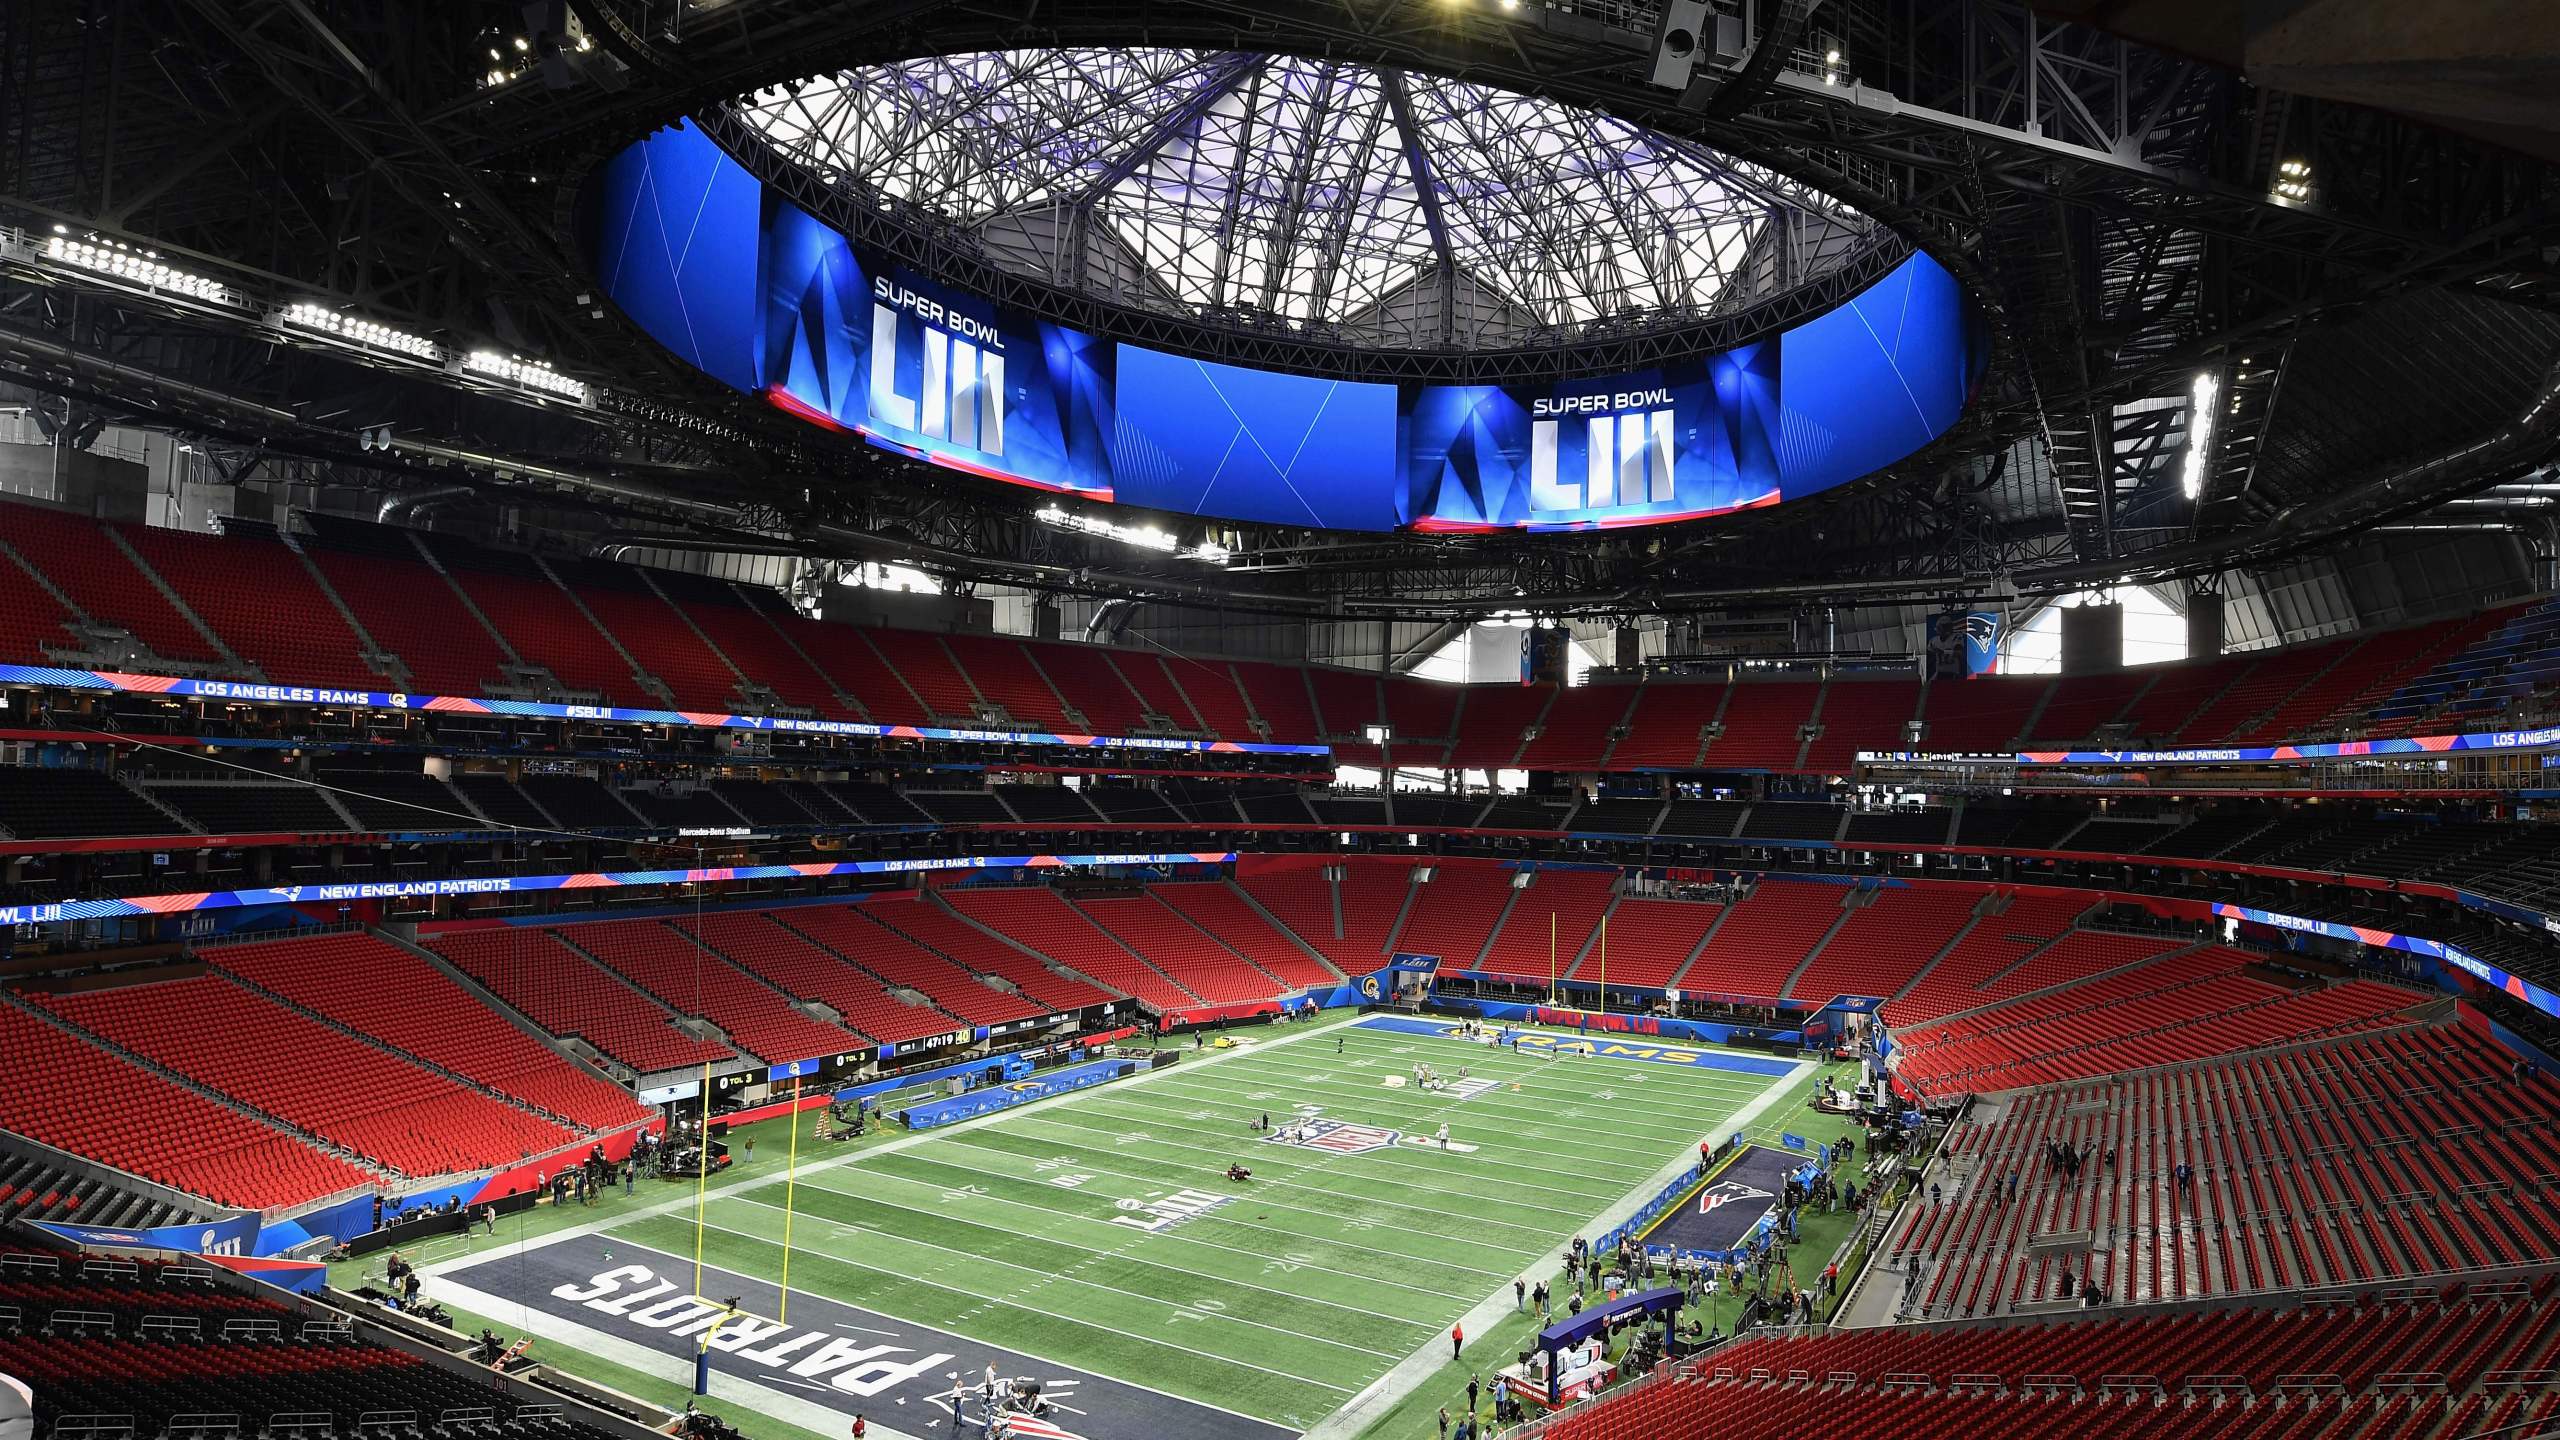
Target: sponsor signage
x=2468, y=742
x=231, y=1235
x=191, y=901
x=2515, y=985
x=238, y=693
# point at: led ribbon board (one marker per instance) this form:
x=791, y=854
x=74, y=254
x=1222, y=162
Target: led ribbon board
x=2519, y=987
x=2472, y=741
x=759, y=294
x=246, y=693
x=190, y=902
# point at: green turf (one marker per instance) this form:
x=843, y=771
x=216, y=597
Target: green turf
x=1320, y=1274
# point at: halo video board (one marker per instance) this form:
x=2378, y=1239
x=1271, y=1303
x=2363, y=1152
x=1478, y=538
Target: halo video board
x=761, y=295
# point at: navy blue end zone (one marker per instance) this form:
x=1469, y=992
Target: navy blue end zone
x=831, y=1354
x=1721, y=1215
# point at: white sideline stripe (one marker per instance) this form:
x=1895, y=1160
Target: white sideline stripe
x=731, y=1187
x=1363, y=1409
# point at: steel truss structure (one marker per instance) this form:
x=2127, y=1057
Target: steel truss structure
x=2378, y=342
x=1320, y=198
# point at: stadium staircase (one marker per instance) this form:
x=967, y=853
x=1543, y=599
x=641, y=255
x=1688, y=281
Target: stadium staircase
x=569, y=994
x=857, y=936
x=663, y=960
x=36, y=1186
x=448, y=1025
x=122, y=1348
x=2413, y=1364
x=399, y=1115
x=86, y=1097
x=1656, y=940
x=932, y=922
x=824, y=985
x=2328, y=1162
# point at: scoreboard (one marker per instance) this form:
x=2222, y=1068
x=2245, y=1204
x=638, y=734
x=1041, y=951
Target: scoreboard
x=756, y=292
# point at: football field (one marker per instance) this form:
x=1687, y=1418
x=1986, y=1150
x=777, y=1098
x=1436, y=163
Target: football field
x=1094, y=1241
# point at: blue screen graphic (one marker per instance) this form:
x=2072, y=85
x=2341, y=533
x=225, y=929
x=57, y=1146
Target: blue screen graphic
x=1208, y=439
x=761, y=295
x=1678, y=443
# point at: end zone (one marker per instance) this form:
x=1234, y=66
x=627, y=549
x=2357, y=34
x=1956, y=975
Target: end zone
x=633, y=1306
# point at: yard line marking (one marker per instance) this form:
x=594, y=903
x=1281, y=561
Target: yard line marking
x=1361, y=1411
x=1276, y=1154
x=684, y=1369
x=1323, y=1215
x=1676, y=1140
x=1218, y=1218
x=1046, y=1277
x=1598, y=1166
x=1167, y=1238
x=676, y=1203
x=1295, y=1185
x=1133, y=1257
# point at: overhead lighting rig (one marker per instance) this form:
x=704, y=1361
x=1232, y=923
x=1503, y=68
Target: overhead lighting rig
x=119, y=261
x=357, y=331
x=1145, y=537
x=534, y=375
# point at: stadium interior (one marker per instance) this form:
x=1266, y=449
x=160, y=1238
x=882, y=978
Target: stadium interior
x=1352, y=719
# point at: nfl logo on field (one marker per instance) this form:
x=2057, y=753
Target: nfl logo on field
x=1343, y=1137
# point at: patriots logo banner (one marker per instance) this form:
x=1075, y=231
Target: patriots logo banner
x=1341, y=1137
x=1729, y=1192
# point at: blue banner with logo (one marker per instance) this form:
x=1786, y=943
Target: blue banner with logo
x=231, y=1235
x=989, y=1099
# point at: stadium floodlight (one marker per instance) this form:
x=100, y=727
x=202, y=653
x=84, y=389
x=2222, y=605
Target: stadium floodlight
x=355, y=330
x=527, y=374
x=2293, y=180
x=2199, y=434
x=1145, y=537
x=117, y=260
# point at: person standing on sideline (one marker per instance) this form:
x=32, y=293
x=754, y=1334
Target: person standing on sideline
x=959, y=1394
x=1444, y=1422
x=751, y=1149
x=1444, y=1134
x=1457, y=1340
x=861, y=1427
x=1474, y=1384
x=1520, y=1294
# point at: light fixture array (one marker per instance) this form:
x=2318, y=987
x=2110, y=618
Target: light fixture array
x=526, y=374
x=357, y=330
x=1145, y=537
x=123, y=262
